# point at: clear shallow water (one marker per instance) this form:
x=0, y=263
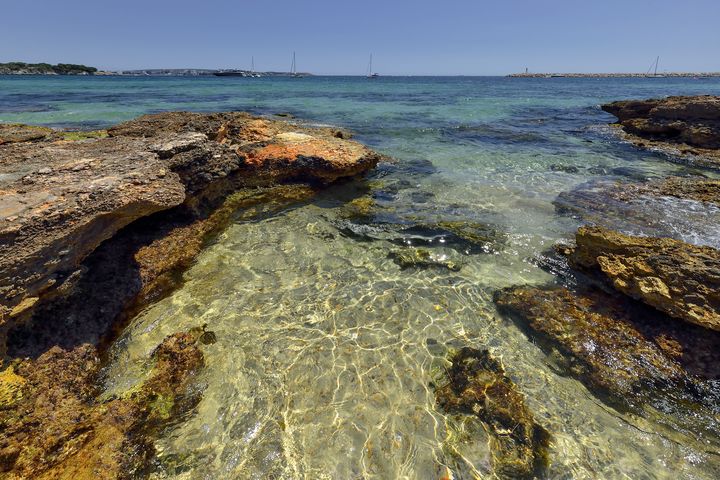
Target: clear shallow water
x=326, y=348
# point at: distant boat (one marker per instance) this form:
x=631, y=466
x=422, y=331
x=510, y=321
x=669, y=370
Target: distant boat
x=293, y=67
x=370, y=73
x=655, y=69
x=233, y=73
x=239, y=73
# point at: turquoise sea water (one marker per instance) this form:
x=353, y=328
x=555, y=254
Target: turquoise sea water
x=326, y=348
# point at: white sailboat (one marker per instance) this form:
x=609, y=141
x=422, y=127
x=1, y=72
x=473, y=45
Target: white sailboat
x=293, y=67
x=370, y=73
x=655, y=74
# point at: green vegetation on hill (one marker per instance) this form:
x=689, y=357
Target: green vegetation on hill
x=20, y=68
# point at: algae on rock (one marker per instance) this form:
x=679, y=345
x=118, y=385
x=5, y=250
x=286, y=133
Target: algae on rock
x=423, y=258
x=477, y=385
x=633, y=357
x=59, y=428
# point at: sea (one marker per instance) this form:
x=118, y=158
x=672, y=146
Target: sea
x=328, y=350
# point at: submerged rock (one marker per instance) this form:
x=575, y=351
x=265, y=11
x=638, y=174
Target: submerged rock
x=59, y=428
x=678, y=125
x=630, y=355
x=555, y=167
x=595, y=332
x=424, y=258
x=685, y=209
x=363, y=221
x=675, y=277
x=477, y=385
x=689, y=188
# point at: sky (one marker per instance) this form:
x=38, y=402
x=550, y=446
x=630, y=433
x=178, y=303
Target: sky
x=419, y=37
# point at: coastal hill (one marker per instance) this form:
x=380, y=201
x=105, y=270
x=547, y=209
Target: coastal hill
x=21, y=68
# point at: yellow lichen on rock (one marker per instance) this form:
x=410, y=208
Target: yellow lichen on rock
x=11, y=387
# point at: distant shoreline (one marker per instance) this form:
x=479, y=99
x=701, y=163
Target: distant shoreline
x=617, y=75
x=246, y=73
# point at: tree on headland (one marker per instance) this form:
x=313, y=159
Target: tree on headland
x=45, y=69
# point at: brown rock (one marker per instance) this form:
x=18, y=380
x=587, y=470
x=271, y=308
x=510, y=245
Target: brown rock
x=596, y=332
x=684, y=125
x=14, y=133
x=61, y=200
x=58, y=428
x=633, y=357
x=675, y=277
x=477, y=385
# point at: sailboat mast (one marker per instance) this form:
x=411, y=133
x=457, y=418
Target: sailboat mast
x=657, y=61
x=293, y=67
x=252, y=64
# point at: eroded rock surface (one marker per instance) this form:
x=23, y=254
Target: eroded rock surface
x=675, y=277
x=477, y=385
x=684, y=125
x=57, y=427
x=62, y=198
x=594, y=331
x=423, y=258
x=635, y=358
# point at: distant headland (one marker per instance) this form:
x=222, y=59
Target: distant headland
x=21, y=68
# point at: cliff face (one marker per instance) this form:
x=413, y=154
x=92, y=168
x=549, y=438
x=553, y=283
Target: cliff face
x=63, y=198
x=688, y=125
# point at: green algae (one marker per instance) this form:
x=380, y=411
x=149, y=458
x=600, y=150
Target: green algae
x=423, y=258
x=80, y=135
x=477, y=234
x=363, y=206
x=162, y=406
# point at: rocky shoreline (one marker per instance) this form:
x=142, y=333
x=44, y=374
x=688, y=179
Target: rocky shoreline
x=636, y=317
x=98, y=225
x=95, y=226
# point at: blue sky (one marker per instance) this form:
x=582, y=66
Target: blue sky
x=469, y=37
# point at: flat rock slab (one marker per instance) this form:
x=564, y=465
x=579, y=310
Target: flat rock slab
x=702, y=190
x=60, y=199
